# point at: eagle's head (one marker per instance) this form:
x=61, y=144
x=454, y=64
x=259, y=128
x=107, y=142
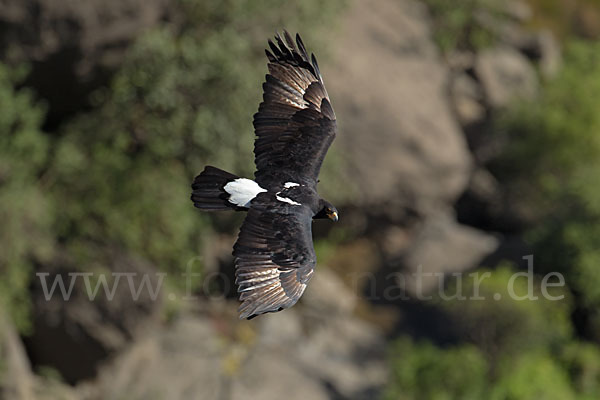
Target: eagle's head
x=326, y=210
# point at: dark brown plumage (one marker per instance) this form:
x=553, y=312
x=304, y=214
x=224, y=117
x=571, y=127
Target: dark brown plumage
x=295, y=125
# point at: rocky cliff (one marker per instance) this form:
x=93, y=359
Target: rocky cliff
x=412, y=132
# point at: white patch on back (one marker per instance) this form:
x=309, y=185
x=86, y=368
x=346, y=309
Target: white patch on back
x=286, y=186
x=286, y=200
x=242, y=191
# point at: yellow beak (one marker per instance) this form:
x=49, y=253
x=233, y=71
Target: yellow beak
x=333, y=216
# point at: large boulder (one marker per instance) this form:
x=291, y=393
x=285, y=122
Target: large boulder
x=441, y=247
x=505, y=74
x=388, y=86
x=181, y=362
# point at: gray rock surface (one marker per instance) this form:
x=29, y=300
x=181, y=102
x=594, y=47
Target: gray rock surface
x=95, y=29
x=505, y=74
x=285, y=355
x=540, y=47
x=72, y=45
x=396, y=102
x=441, y=245
x=395, y=122
x=327, y=294
x=17, y=380
x=181, y=362
x=519, y=10
x=467, y=99
x=550, y=56
x=296, y=354
x=273, y=375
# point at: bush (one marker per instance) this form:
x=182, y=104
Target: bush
x=532, y=376
x=118, y=176
x=184, y=98
x=510, y=350
x=422, y=371
x=552, y=166
x=25, y=210
x=582, y=361
x=507, y=327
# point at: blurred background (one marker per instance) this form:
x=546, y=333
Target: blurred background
x=469, y=138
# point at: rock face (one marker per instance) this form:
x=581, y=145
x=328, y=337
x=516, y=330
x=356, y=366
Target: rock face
x=302, y=353
x=443, y=246
x=399, y=129
x=17, y=381
x=177, y=363
x=549, y=55
x=400, y=108
x=75, y=334
x=297, y=354
x=504, y=74
x=467, y=98
x=72, y=45
x=396, y=125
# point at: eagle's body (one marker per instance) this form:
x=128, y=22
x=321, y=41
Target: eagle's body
x=295, y=126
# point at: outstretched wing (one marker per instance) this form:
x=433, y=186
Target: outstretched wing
x=295, y=123
x=274, y=258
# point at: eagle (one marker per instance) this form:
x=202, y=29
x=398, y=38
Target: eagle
x=294, y=126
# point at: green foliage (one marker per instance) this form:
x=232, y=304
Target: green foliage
x=552, y=164
x=551, y=169
x=506, y=327
x=458, y=25
x=25, y=210
x=423, y=371
x=515, y=350
x=117, y=178
x=582, y=361
x=184, y=98
x=549, y=137
x=532, y=376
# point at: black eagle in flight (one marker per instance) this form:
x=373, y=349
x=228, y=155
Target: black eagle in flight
x=295, y=125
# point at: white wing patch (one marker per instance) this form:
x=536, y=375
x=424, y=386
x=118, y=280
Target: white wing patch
x=286, y=186
x=286, y=200
x=242, y=191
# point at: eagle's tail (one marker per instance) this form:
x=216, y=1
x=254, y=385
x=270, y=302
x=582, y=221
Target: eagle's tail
x=209, y=190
